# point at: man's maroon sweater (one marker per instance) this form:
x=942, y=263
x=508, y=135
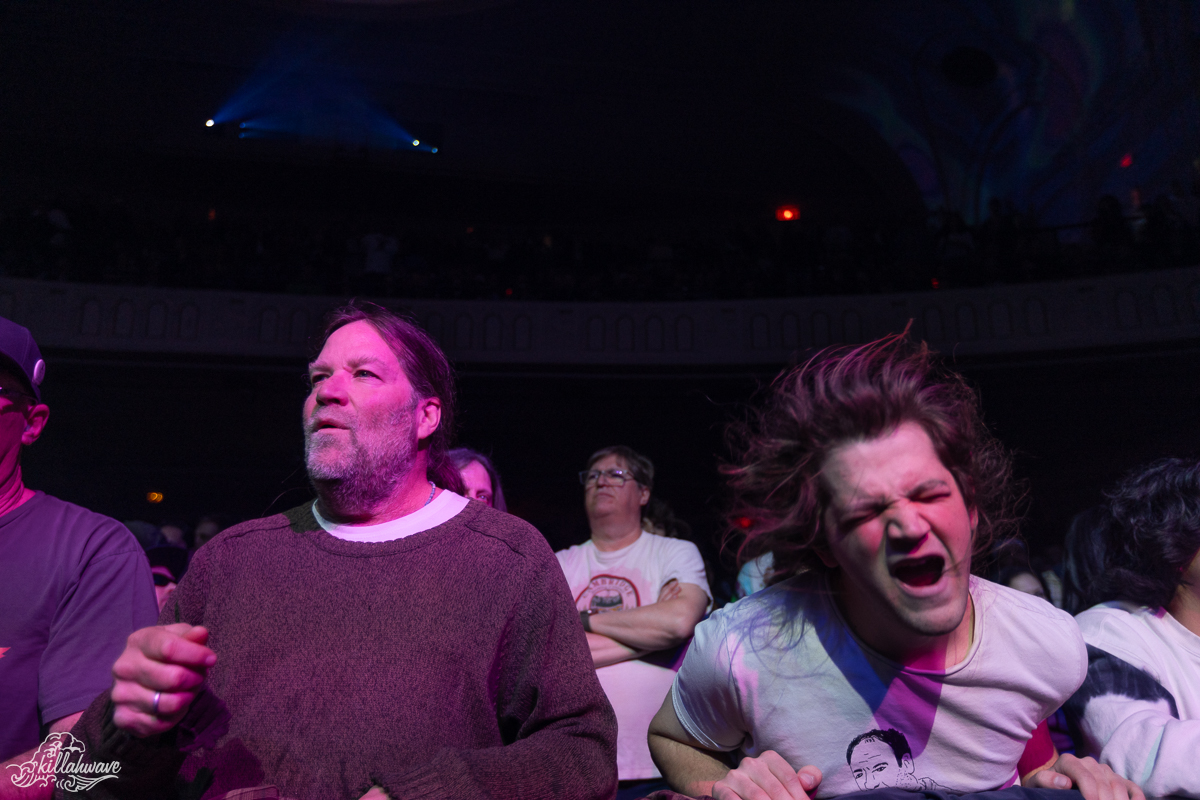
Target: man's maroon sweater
x=450, y=663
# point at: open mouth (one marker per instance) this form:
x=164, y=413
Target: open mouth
x=919, y=571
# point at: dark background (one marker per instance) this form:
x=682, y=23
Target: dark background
x=225, y=436
x=680, y=115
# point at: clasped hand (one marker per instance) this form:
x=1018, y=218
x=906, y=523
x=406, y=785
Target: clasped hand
x=767, y=777
x=171, y=661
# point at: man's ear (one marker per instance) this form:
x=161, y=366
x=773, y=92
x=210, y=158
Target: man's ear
x=35, y=422
x=429, y=417
x=645, y=495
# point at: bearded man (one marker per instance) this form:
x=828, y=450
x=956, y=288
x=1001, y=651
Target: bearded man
x=389, y=639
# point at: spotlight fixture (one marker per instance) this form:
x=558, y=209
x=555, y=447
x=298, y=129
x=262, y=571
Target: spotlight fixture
x=209, y=123
x=787, y=213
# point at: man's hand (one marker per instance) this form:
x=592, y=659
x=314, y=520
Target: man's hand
x=767, y=777
x=1095, y=781
x=171, y=661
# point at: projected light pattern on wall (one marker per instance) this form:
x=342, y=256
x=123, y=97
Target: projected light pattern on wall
x=302, y=93
x=1047, y=103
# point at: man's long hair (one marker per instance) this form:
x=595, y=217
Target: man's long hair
x=846, y=394
x=425, y=366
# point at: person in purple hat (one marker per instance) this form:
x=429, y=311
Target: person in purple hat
x=73, y=585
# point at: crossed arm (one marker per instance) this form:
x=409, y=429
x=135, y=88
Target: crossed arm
x=623, y=635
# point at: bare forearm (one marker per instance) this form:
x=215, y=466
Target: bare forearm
x=607, y=651
x=657, y=626
x=9, y=791
x=687, y=769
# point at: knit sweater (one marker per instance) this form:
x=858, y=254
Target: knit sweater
x=447, y=664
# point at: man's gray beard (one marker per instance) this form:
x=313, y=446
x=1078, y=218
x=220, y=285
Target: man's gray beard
x=359, y=483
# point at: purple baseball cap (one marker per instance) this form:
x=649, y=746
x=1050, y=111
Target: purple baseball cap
x=17, y=344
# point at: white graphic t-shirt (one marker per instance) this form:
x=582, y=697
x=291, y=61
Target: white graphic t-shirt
x=1139, y=709
x=621, y=580
x=781, y=670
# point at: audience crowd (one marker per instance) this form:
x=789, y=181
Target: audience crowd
x=401, y=635
x=225, y=248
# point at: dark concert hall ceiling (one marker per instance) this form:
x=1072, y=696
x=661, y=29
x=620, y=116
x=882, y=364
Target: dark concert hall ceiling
x=872, y=106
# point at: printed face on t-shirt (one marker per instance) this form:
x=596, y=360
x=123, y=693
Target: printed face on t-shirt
x=874, y=765
x=900, y=534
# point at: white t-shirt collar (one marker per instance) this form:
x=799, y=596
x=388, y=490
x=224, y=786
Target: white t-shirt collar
x=441, y=509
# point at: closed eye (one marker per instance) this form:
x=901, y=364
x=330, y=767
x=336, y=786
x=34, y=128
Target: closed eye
x=862, y=516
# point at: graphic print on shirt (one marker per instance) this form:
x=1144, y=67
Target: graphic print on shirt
x=1108, y=675
x=608, y=593
x=880, y=759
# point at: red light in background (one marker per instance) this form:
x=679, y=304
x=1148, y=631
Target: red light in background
x=744, y=523
x=154, y=497
x=1127, y=160
x=212, y=214
x=787, y=213
x=936, y=284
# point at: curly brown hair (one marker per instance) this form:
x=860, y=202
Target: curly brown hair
x=845, y=394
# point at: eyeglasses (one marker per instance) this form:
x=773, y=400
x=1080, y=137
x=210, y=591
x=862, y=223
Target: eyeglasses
x=162, y=580
x=616, y=477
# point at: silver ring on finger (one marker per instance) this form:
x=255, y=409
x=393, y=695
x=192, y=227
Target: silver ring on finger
x=157, y=697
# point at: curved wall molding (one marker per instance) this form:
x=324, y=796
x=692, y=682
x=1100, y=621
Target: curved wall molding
x=1146, y=308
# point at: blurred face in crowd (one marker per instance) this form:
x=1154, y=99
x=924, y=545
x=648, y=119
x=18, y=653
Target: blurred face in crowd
x=164, y=585
x=205, y=530
x=1028, y=583
x=604, y=498
x=362, y=420
x=477, y=483
x=173, y=534
x=900, y=534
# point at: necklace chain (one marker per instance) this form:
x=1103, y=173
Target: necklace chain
x=432, y=492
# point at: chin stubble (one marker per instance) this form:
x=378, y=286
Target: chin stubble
x=378, y=460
